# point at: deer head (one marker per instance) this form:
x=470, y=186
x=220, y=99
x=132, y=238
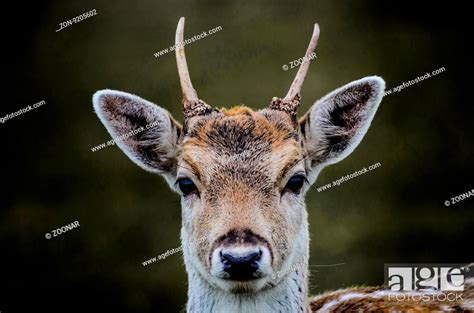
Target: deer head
x=242, y=174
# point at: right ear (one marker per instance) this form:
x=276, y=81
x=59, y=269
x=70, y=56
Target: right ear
x=147, y=133
x=335, y=125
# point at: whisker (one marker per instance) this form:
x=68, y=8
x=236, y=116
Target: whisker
x=327, y=265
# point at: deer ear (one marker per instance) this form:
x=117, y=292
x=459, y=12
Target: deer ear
x=335, y=124
x=147, y=133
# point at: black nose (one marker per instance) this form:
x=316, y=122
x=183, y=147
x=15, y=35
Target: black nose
x=241, y=267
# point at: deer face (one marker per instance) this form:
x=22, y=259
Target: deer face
x=242, y=175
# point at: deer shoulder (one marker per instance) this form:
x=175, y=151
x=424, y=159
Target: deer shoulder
x=379, y=299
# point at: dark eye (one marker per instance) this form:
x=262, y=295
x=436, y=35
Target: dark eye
x=295, y=183
x=187, y=186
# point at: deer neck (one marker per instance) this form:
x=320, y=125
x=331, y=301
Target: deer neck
x=290, y=295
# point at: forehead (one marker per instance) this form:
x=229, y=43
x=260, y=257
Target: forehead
x=241, y=140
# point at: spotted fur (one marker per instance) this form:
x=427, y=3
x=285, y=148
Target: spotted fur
x=378, y=299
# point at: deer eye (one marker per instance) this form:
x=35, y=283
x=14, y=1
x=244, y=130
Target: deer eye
x=186, y=186
x=295, y=183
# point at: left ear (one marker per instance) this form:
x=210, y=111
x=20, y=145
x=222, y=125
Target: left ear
x=335, y=124
x=145, y=132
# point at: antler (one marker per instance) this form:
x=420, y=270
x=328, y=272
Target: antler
x=292, y=99
x=192, y=105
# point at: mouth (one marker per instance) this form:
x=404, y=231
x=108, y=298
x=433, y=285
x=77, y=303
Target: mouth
x=249, y=285
x=260, y=280
x=242, y=277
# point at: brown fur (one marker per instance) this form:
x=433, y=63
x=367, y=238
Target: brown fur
x=375, y=299
x=240, y=161
x=239, y=156
x=237, y=163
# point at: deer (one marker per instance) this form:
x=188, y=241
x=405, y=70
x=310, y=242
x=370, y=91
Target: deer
x=242, y=176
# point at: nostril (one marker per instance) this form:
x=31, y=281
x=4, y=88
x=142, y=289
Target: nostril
x=230, y=259
x=255, y=256
x=226, y=260
x=259, y=254
x=240, y=266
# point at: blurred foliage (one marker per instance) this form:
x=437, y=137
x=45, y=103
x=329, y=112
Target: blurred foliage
x=422, y=136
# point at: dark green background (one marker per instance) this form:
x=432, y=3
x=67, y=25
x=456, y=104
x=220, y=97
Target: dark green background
x=422, y=136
